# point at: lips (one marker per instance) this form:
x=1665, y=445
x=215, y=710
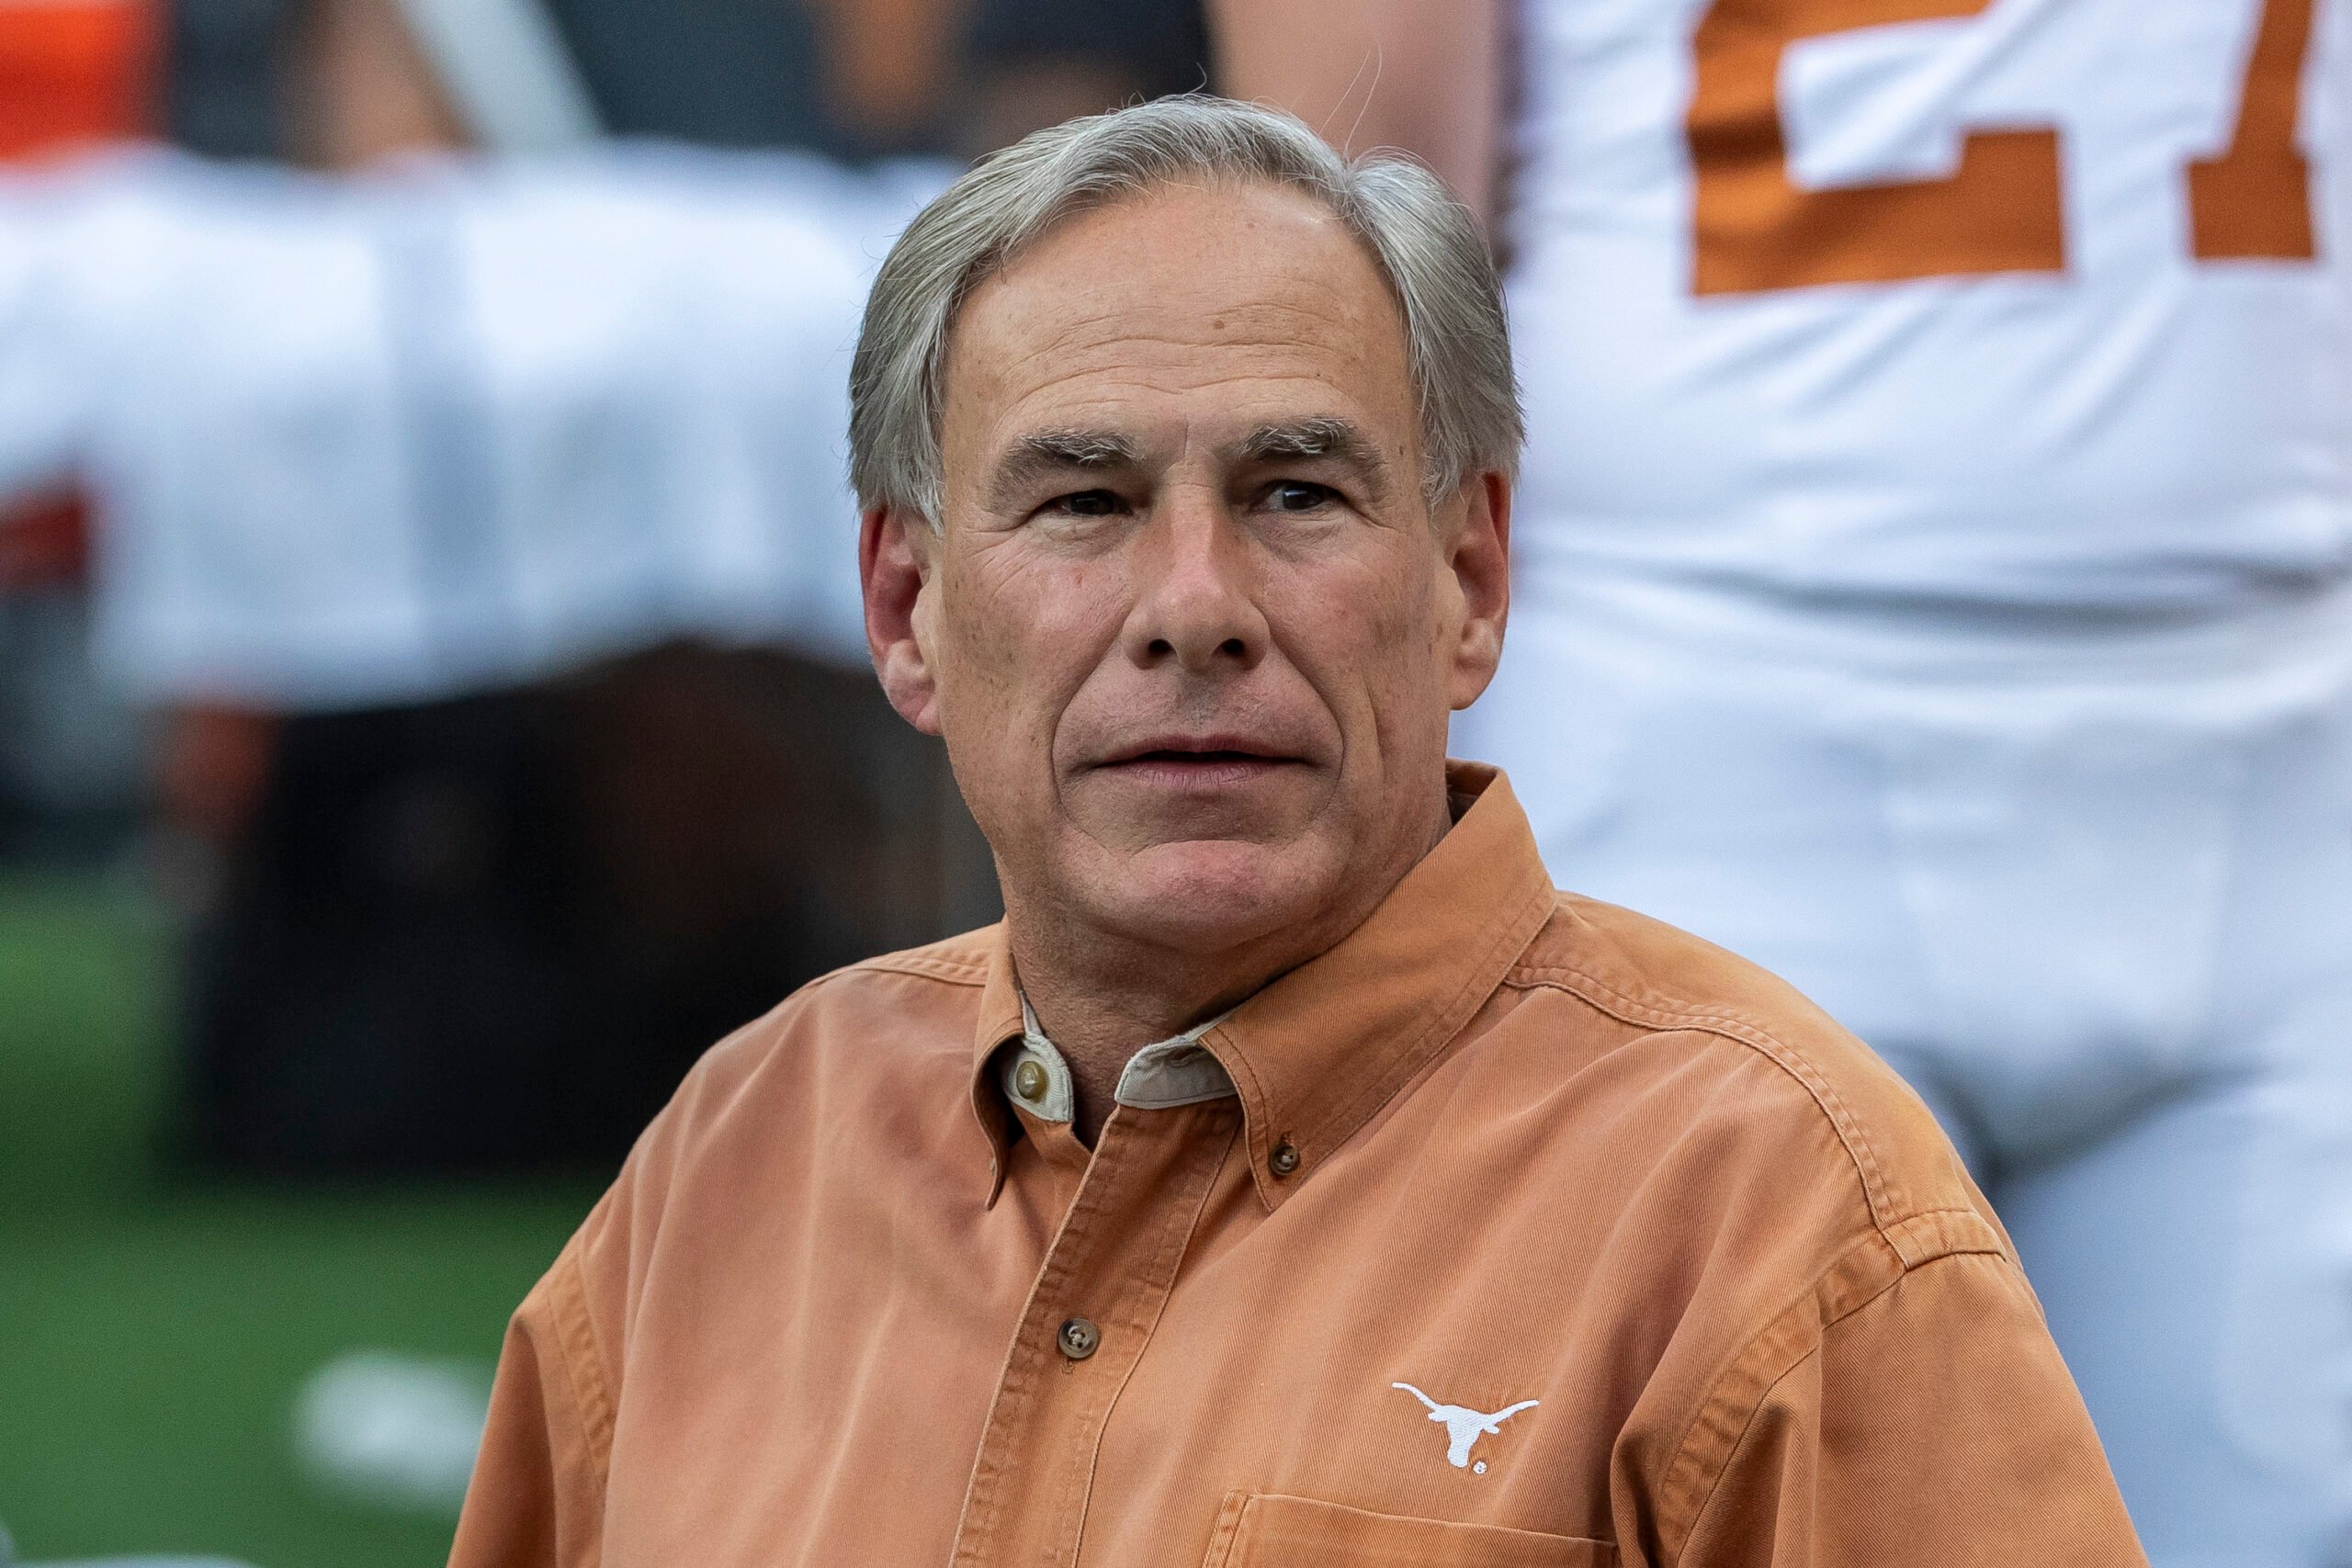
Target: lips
x=1199, y=765
x=1198, y=749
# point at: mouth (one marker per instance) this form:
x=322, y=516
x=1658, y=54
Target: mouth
x=1213, y=762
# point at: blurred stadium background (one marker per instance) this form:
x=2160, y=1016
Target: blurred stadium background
x=302, y=892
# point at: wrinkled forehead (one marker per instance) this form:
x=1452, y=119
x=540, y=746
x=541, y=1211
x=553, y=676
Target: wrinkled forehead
x=1190, y=307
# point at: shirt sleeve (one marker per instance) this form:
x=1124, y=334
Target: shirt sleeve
x=1938, y=1412
x=537, y=1499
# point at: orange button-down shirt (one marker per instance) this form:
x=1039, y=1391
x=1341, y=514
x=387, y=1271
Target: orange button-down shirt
x=1530, y=1232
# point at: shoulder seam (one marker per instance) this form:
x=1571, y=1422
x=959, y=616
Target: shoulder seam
x=576, y=1343
x=1828, y=1320
x=1714, y=1483
x=1886, y=1204
x=915, y=963
x=1721, y=1415
x=923, y=965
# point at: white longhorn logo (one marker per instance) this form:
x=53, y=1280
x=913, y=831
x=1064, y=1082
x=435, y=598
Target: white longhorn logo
x=1463, y=1425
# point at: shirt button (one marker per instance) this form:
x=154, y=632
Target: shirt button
x=1284, y=1159
x=1029, y=1080
x=1079, y=1339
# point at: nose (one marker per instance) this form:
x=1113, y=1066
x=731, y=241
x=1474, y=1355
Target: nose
x=1197, y=605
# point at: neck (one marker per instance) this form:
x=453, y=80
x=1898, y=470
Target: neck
x=1100, y=995
x=1102, y=1008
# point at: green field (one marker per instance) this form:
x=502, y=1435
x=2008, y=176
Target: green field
x=154, y=1330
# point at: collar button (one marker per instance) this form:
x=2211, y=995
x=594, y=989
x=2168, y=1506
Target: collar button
x=1283, y=1158
x=1029, y=1081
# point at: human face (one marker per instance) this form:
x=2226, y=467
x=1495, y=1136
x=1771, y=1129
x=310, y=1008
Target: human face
x=1189, y=626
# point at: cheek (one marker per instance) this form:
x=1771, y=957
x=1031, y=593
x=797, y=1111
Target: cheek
x=1371, y=632
x=1021, y=636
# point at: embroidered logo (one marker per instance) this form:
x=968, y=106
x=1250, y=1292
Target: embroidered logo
x=1464, y=1426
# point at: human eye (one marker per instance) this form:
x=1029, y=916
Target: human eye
x=1298, y=495
x=1085, y=503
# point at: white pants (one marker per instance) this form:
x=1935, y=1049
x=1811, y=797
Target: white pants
x=2088, y=886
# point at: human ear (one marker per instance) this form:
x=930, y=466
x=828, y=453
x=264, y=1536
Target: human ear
x=1479, y=559
x=894, y=566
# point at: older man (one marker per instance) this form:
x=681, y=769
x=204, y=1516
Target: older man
x=1294, y=1178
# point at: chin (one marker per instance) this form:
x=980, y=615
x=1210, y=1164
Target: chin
x=1215, y=893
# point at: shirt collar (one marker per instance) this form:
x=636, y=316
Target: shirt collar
x=1176, y=1071
x=1318, y=1053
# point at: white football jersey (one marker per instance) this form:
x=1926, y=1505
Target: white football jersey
x=2005, y=301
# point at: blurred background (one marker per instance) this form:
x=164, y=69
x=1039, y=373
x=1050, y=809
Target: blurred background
x=433, y=705
x=429, y=656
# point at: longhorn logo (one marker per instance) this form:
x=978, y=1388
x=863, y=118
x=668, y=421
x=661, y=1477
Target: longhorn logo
x=1464, y=1426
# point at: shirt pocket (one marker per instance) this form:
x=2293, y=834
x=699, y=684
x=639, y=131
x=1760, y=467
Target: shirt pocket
x=1266, y=1531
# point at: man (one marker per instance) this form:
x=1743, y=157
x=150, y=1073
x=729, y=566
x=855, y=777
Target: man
x=1294, y=1177
x=1953, y=420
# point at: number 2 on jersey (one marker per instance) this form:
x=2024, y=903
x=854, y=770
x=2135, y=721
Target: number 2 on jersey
x=2253, y=202
x=2002, y=210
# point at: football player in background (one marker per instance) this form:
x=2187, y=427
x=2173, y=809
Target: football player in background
x=1940, y=419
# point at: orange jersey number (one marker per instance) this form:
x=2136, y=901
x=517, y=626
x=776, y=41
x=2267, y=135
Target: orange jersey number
x=2253, y=202
x=1755, y=229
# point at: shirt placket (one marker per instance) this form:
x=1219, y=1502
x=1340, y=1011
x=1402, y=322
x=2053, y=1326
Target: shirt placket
x=1088, y=1322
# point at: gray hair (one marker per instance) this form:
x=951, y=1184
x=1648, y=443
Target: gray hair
x=1427, y=245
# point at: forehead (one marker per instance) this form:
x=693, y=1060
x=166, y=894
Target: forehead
x=1189, y=311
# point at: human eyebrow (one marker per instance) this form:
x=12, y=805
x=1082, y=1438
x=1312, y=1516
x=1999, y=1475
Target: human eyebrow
x=1322, y=438
x=1047, y=453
